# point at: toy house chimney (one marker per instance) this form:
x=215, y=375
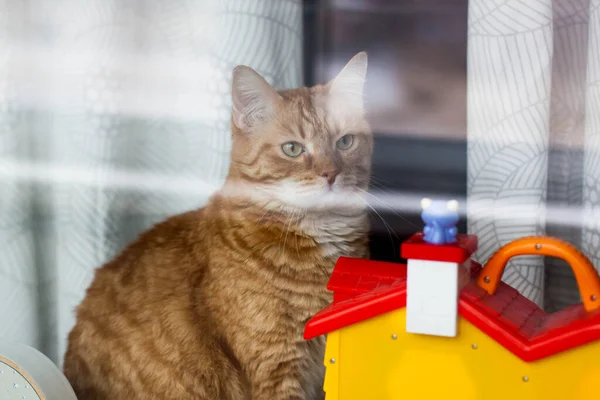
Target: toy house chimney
x=438, y=268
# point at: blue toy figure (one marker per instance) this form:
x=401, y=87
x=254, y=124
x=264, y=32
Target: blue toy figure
x=440, y=219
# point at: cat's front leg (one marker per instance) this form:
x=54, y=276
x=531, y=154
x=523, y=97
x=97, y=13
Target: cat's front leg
x=278, y=377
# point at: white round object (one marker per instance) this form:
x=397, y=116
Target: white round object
x=27, y=374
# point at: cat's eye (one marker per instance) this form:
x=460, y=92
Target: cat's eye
x=292, y=149
x=345, y=142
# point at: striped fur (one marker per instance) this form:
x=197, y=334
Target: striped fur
x=211, y=304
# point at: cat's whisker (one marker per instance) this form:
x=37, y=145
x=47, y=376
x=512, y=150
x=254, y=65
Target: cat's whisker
x=379, y=180
x=380, y=186
x=261, y=218
x=385, y=224
x=296, y=245
x=288, y=228
x=387, y=206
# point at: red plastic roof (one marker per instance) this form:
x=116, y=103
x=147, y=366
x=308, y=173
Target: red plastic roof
x=416, y=248
x=353, y=276
x=511, y=319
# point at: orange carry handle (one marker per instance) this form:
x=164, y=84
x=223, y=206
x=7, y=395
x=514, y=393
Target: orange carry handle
x=584, y=271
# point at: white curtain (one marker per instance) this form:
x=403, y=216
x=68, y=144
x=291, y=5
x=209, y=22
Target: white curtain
x=534, y=134
x=113, y=115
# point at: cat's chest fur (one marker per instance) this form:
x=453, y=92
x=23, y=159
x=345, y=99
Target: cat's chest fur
x=336, y=236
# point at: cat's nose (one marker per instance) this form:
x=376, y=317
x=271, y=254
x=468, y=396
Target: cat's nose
x=330, y=175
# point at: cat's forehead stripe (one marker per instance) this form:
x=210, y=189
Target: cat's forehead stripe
x=308, y=119
x=314, y=117
x=301, y=131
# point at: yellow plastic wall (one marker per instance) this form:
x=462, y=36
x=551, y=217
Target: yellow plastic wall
x=370, y=364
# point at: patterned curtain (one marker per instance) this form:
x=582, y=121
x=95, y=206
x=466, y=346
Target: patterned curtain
x=534, y=134
x=113, y=115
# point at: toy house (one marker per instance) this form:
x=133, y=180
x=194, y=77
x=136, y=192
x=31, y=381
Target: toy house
x=417, y=331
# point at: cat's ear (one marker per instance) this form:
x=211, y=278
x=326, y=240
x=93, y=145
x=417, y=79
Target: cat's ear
x=253, y=99
x=348, y=86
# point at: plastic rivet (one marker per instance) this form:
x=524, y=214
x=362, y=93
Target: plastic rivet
x=525, y=379
x=474, y=346
x=394, y=336
x=593, y=297
x=486, y=279
x=332, y=360
x=538, y=246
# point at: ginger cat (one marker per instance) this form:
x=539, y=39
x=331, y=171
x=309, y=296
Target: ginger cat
x=211, y=304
